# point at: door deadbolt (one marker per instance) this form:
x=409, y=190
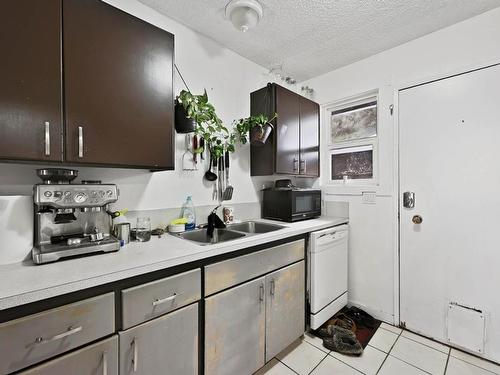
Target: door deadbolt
x=408, y=199
x=417, y=219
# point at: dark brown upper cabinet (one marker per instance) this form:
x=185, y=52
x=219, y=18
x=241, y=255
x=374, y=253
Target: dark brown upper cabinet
x=118, y=85
x=293, y=147
x=30, y=80
x=118, y=89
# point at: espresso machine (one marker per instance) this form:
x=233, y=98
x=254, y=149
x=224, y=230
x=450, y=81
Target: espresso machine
x=71, y=219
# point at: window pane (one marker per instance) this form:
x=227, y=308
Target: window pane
x=353, y=123
x=353, y=164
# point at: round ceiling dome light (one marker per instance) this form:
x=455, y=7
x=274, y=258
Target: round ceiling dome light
x=244, y=14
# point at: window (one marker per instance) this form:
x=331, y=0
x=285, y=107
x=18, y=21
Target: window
x=352, y=141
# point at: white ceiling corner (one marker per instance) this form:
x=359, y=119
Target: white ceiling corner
x=312, y=37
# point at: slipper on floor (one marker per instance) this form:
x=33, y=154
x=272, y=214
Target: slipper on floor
x=343, y=341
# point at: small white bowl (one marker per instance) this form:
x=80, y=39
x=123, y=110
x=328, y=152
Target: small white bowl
x=176, y=228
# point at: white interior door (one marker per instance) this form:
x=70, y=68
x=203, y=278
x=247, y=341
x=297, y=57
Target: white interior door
x=450, y=159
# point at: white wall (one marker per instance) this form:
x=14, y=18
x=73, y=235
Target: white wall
x=469, y=44
x=228, y=78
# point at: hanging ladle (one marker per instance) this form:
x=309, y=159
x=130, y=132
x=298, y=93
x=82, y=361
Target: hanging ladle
x=209, y=175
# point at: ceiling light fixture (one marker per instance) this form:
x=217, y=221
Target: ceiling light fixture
x=244, y=14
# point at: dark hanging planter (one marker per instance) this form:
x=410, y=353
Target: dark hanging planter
x=183, y=124
x=260, y=134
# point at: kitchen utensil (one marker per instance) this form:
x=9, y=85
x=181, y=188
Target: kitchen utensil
x=209, y=175
x=202, y=146
x=195, y=147
x=122, y=232
x=143, y=230
x=216, y=184
x=188, y=163
x=219, y=179
x=228, y=191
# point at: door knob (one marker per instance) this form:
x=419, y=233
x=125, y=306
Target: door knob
x=417, y=219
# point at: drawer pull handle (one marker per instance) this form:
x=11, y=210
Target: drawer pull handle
x=105, y=363
x=134, y=358
x=261, y=293
x=47, y=138
x=160, y=301
x=60, y=336
x=272, y=288
x=80, y=142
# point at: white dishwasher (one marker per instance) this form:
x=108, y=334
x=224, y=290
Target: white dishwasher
x=327, y=255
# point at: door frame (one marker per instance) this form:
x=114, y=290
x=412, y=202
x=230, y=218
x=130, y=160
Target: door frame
x=469, y=68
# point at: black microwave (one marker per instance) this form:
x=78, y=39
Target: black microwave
x=291, y=204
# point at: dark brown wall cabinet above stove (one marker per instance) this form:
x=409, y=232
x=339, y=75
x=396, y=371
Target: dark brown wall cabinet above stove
x=118, y=85
x=293, y=147
x=30, y=80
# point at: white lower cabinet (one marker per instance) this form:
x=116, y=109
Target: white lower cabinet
x=167, y=345
x=235, y=322
x=97, y=359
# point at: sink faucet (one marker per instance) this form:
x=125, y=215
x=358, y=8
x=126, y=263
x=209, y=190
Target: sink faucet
x=214, y=221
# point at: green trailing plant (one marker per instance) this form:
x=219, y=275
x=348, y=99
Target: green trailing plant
x=208, y=125
x=218, y=138
x=243, y=126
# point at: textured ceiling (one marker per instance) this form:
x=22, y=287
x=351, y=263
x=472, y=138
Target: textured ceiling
x=312, y=37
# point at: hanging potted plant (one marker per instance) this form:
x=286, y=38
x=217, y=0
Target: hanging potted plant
x=257, y=129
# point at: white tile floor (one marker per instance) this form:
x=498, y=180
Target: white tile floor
x=391, y=351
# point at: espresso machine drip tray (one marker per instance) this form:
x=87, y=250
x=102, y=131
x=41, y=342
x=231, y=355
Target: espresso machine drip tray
x=53, y=252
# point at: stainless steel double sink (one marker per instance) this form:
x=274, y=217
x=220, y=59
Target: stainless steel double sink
x=230, y=233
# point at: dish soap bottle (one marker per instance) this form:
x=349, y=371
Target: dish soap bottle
x=188, y=213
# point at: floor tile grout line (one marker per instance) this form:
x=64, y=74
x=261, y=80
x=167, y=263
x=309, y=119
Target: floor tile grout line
x=447, y=361
x=472, y=364
x=347, y=364
x=392, y=346
x=437, y=342
x=310, y=372
x=288, y=367
x=411, y=364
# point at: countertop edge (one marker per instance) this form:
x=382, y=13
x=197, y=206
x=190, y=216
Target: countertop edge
x=293, y=229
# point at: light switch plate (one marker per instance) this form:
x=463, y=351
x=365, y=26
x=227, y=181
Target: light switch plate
x=369, y=197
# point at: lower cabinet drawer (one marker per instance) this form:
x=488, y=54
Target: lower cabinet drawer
x=225, y=274
x=165, y=345
x=97, y=359
x=147, y=301
x=32, y=339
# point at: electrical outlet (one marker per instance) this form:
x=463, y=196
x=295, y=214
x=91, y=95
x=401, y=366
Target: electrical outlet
x=369, y=197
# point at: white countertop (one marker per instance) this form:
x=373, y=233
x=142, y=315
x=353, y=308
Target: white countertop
x=22, y=283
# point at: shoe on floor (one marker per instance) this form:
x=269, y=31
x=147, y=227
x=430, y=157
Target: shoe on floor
x=343, y=341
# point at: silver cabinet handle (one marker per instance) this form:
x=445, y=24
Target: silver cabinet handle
x=105, y=363
x=160, y=301
x=134, y=358
x=261, y=293
x=60, y=336
x=272, y=288
x=303, y=166
x=47, y=138
x=80, y=142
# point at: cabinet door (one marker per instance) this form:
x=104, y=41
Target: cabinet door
x=309, y=138
x=285, y=308
x=118, y=88
x=97, y=359
x=30, y=80
x=166, y=345
x=287, y=131
x=235, y=330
